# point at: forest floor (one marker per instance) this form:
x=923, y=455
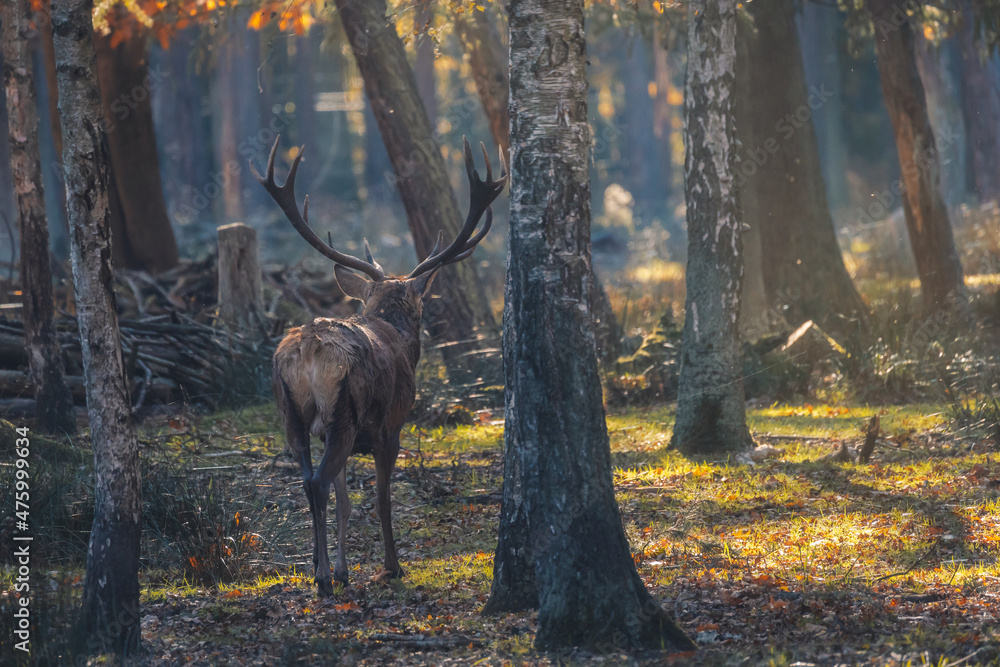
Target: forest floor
x=794, y=560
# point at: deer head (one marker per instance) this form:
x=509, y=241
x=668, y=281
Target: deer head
x=481, y=196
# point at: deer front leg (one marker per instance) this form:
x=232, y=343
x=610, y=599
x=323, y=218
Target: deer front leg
x=385, y=461
x=343, y=514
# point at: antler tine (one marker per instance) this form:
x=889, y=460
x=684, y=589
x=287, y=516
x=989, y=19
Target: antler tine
x=284, y=196
x=368, y=256
x=481, y=195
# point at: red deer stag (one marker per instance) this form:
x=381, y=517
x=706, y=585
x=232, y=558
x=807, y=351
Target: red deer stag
x=351, y=381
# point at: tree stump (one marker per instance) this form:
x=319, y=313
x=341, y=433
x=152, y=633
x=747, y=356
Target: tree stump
x=241, y=298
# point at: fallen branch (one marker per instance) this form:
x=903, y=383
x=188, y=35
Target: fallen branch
x=419, y=642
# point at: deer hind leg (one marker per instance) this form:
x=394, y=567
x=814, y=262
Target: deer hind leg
x=297, y=438
x=385, y=461
x=343, y=514
x=339, y=442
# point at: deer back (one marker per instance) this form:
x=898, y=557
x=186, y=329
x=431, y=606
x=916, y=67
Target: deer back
x=364, y=364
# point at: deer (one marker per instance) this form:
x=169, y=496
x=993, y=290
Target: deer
x=351, y=382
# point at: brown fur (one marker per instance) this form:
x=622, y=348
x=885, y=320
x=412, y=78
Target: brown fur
x=351, y=382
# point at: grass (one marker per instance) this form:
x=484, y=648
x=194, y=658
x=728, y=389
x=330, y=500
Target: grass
x=795, y=559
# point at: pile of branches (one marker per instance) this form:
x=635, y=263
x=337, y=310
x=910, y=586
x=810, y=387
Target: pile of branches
x=175, y=350
x=168, y=358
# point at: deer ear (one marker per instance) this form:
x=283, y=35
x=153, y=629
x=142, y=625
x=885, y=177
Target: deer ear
x=353, y=285
x=422, y=283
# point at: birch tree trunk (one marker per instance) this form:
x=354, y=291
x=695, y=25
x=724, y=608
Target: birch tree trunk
x=941, y=280
x=52, y=397
x=589, y=593
x=109, y=618
x=489, y=63
x=711, y=413
x=459, y=320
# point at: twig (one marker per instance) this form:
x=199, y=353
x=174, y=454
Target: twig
x=907, y=570
x=803, y=438
x=420, y=642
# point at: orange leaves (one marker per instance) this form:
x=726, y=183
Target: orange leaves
x=348, y=606
x=297, y=15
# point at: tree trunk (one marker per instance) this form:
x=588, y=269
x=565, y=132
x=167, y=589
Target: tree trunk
x=589, y=593
x=109, y=618
x=51, y=145
x=938, y=266
x=782, y=179
x=711, y=413
x=460, y=320
x=183, y=131
x=423, y=67
x=8, y=200
x=52, y=396
x=645, y=178
x=142, y=237
x=821, y=55
x=943, y=97
x=488, y=62
x=757, y=318
x=981, y=109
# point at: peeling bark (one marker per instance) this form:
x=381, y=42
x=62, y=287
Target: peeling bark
x=52, y=396
x=555, y=435
x=109, y=618
x=711, y=413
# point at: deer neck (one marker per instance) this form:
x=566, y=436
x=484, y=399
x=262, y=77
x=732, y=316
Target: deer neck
x=406, y=324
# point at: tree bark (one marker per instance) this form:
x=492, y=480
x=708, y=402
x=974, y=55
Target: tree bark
x=488, y=62
x=459, y=319
x=423, y=66
x=52, y=396
x=51, y=145
x=589, y=593
x=711, y=413
x=141, y=237
x=781, y=179
x=981, y=109
x=109, y=618
x=941, y=279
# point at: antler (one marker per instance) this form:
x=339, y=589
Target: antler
x=481, y=195
x=285, y=197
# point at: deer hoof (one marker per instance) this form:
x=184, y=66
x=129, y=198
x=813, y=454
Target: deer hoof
x=386, y=575
x=340, y=577
x=324, y=588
